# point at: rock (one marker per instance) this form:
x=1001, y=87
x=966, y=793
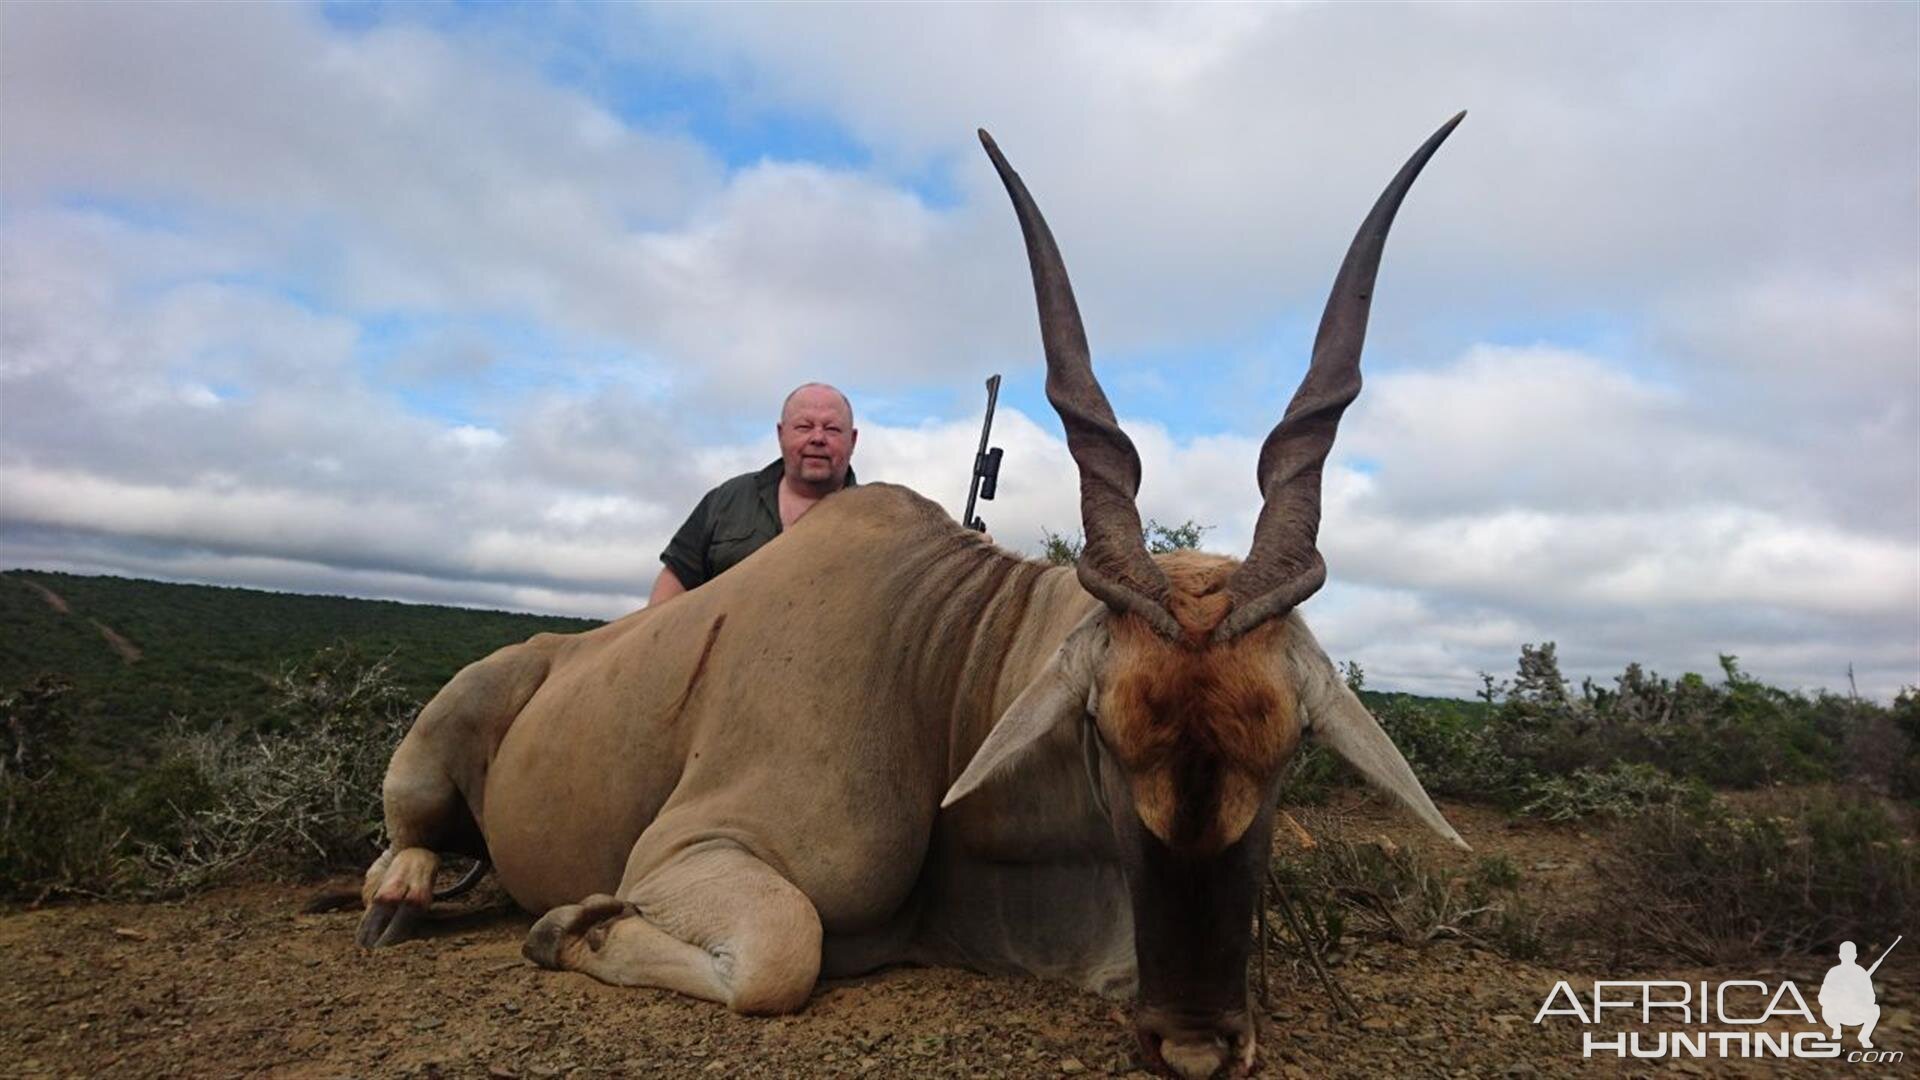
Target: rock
x=1375, y=1023
x=1071, y=1065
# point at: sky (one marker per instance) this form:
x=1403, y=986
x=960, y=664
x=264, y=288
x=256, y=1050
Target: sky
x=469, y=304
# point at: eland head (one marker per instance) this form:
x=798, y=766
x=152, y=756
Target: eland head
x=1196, y=675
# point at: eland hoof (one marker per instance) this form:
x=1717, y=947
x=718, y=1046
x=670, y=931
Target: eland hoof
x=388, y=922
x=570, y=922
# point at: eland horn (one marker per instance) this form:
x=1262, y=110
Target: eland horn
x=1284, y=566
x=1114, y=564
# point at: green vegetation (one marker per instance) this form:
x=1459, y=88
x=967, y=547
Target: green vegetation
x=157, y=737
x=297, y=796
x=250, y=736
x=1063, y=550
x=303, y=799
x=1800, y=871
x=1537, y=748
x=215, y=656
x=1345, y=889
x=1726, y=863
x=1621, y=790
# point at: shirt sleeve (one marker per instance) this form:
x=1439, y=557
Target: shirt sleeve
x=686, y=553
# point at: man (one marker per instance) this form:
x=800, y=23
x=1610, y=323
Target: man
x=816, y=436
x=1846, y=995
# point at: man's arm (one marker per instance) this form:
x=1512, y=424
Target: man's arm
x=665, y=587
x=684, y=561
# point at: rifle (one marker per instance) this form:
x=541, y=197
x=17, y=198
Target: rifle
x=986, y=463
x=1883, y=956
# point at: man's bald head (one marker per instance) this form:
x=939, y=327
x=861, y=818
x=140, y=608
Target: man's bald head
x=816, y=391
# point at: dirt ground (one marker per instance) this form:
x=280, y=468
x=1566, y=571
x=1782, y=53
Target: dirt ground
x=236, y=983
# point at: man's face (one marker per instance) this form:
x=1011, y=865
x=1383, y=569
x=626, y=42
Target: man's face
x=816, y=437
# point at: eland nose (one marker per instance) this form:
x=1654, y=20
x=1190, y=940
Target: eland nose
x=1194, y=1048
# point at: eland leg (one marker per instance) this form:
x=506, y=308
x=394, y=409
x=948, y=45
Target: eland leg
x=714, y=923
x=437, y=773
x=425, y=815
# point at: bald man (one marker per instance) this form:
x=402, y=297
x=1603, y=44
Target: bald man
x=816, y=436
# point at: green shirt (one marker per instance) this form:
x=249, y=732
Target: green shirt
x=729, y=524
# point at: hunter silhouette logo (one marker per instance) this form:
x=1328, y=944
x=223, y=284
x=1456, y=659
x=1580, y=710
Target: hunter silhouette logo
x=1846, y=994
x=1754, y=1019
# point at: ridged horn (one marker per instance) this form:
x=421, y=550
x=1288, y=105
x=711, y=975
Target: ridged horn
x=1284, y=566
x=1114, y=564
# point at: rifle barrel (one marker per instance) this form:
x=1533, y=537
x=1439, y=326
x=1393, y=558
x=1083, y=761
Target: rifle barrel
x=1876, y=964
x=986, y=433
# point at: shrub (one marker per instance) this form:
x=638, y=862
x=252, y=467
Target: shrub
x=1381, y=889
x=1621, y=790
x=1454, y=754
x=1905, y=718
x=63, y=823
x=1497, y=872
x=303, y=800
x=36, y=726
x=1882, y=746
x=62, y=834
x=1062, y=549
x=1311, y=776
x=1739, y=734
x=1806, y=872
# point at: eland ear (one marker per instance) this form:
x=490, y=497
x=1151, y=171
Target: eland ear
x=1058, y=695
x=1337, y=720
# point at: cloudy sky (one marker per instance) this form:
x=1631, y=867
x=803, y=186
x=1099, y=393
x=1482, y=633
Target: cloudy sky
x=469, y=304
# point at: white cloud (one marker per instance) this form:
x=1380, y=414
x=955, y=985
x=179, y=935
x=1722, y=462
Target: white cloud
x=1641, y=376
x=1187, y=152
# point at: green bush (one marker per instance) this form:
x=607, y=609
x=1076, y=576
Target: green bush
x=62, y=834
x=1063, y=549
x=1802, y=872
x=1454, y=754
x=1621, y=790
x=1737, y=734
x=1344, y=889
x=63, y=825
x=1311, y=776
x=1497, y=872
x=298, y=796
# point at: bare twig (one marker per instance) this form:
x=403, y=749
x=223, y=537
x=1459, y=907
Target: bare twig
x=1343, y=1004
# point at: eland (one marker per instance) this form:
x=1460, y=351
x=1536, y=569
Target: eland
x=881, y=739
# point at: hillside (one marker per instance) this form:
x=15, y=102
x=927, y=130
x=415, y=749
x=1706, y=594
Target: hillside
x=137, y=652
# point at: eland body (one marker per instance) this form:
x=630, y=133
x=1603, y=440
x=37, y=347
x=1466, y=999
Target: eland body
x=882, y=739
